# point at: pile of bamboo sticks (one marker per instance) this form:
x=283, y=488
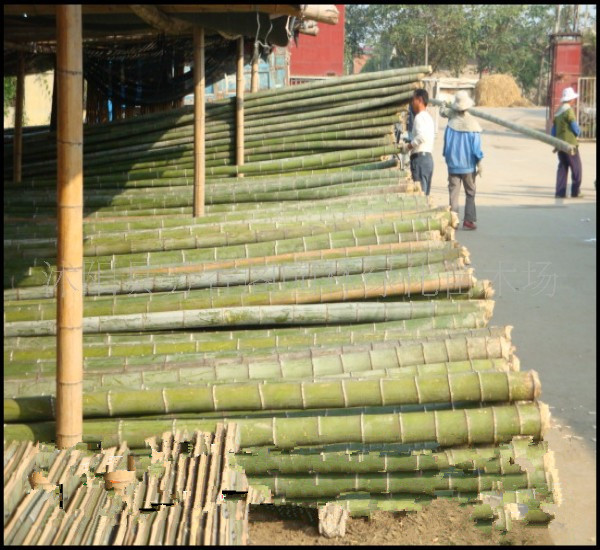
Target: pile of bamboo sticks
x=316, y=308
x=174, y=497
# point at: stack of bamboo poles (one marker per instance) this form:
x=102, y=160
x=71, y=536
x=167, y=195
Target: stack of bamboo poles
x=293, y=129
x=321, y=307
x=175, y=499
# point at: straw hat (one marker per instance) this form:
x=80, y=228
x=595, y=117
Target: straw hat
x=462, y=101
x=568, y=94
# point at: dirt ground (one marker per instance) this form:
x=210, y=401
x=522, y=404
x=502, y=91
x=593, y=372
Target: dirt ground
x=540, y=254
x=440, y=523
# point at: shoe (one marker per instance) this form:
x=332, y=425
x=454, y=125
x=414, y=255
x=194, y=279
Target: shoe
x=470, y=226
x=560, y=197
x=580, y=196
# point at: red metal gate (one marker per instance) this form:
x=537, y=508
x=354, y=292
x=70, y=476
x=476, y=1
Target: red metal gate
x=565, y=69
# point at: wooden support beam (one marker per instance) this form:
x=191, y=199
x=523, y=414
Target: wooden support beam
x=18, y=135
x=239, y=103
x=69, y=257
x=254, y=75
x=199, y=122
x=54, y=108
x=160, y=20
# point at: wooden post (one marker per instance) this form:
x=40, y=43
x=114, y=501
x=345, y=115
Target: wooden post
x=199, y=122
x=254, y=76
x=18, y=135
x=69, y=257
x=239, y=96
x=54, y=97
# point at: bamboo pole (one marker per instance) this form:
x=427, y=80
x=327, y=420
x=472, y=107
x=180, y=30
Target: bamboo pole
x=69, y=314
x=254, y=76
x=239, y=111
x=448, y=428
x=18, y=135
x=535, y=134
x=199, y=123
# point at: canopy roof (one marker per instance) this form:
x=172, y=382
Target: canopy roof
x=119, y=37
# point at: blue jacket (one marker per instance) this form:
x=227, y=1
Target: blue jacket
x=462, y=151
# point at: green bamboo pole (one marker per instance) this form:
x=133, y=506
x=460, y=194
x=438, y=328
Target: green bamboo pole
x=160, y=310
x=476, y=387
x=114, y=231
x=362, y=206
x=447, y=427
x=182, y=230
x=384, y=233
x=235, y=347
x=489, y=460
x=297, y=90
x=535, y=134
x=122, y=283
x=332, y=485
x=374, y=116
x=35, y=276
x=202, y=238
x=105, y=378
x=324, y=366
x=38, y=348
x=149, y=147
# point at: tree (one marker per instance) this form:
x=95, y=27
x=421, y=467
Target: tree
x=405, y=26
x=10, y=92
x=355, y=32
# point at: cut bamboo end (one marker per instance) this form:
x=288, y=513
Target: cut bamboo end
x=515, y=364
x=454, y=219
x=508, y=332
x=38, y=480
x=488, y=309
x=464, y=253
x=545, y=417
x=449, y=234
x=488, y=289
x=552, y=477
x=118, y=480
x=505, y=349
x=537, y=385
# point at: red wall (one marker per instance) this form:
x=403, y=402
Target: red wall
x=320, y=55
x=566, y=70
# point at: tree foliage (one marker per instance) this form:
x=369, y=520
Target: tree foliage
x=10, y=91
x=496, y=38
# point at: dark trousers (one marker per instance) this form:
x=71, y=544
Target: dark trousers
x=566, y=161
x=468, y=181
x=421, y=168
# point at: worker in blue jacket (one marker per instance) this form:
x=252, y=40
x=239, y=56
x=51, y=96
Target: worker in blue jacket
x=462, y=151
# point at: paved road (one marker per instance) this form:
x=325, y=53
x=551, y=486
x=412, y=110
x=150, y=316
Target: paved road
x=540, y=253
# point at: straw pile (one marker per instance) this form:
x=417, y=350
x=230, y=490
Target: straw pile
x=499, y=90
x=317, y=305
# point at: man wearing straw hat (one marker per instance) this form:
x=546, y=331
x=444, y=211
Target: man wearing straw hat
x=462, y=151
x=565, y=127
